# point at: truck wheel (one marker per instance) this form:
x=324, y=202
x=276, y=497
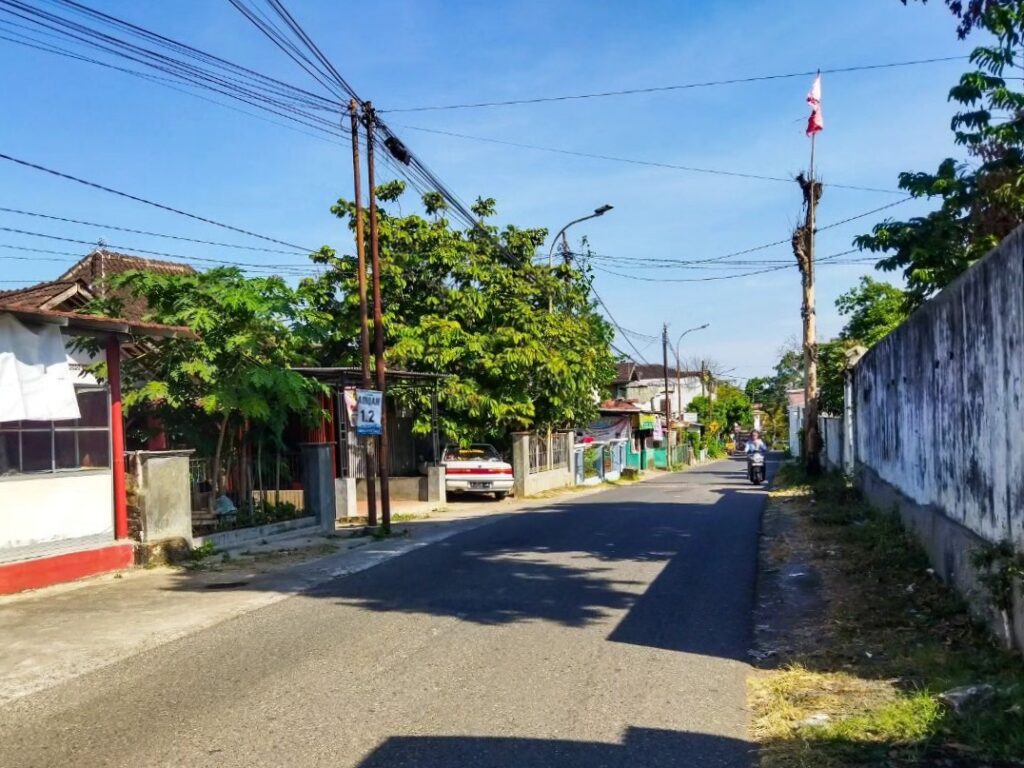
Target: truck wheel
x=500, y=495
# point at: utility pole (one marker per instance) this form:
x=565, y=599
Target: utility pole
x=803, y=249
x=378, y=324
x=364, y=330
x=668, y=403
x=705, y=392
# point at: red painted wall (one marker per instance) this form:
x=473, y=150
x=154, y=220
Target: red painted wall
x=46, y=571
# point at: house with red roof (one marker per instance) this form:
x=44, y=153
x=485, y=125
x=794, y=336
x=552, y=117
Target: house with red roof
x=62, y=443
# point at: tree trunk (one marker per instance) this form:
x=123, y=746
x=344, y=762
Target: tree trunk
x=215, y=469
x=259, y=478
x=277, y=476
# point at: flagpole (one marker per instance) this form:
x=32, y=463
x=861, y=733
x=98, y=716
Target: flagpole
x=810, y=255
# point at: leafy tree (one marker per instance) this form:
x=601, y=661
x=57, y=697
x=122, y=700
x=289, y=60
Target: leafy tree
x=760, y=389
x=731, y=405
x=874, y=309
x=971, y=12
x=239, y=367
x=520, y=345
x=982, y=201
x=831, y=374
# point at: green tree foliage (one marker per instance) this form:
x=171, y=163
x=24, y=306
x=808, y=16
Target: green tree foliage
x=473, y=305
x=971, y=12
x=831, y=372
x=770, y=391
x=731, y=405
x=239, y=366
x=979, y=202
x=874, y=309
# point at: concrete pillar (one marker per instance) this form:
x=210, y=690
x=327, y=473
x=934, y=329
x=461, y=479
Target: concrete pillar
x=848, y=406
x=570, y=447
x=345, y=497
x=436, y=491
x=160, y=507
x=318, y=483
x=520, y=461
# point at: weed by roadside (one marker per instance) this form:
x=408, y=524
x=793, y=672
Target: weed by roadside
x=203, y=551
x=862, y=679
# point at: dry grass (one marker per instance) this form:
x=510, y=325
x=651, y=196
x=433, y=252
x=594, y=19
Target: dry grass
x=858, y=681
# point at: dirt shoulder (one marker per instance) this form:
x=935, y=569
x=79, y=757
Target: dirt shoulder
x=860, y=648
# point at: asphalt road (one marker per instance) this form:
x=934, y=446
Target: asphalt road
x=611, y=630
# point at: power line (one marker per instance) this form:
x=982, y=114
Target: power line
x=684, y=86
x=652, y=260
x=637, y=161
x=639, y=336
x=182, y=64
x=93, y=244
x=411, y=167
x=611, y=319
x=142, y=231
x=717, y=277
x=143, y=200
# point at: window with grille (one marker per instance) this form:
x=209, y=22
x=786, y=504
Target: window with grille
x=32, y=447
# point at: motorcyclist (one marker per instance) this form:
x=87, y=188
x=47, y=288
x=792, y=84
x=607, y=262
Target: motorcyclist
x=755, y=444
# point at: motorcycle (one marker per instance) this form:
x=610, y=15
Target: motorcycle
x=756, y=467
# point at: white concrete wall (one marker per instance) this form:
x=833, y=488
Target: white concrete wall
x=796, y=422
x=529, y=483
x=939, y=403
x=37, y=509
x=538, y=482
x=831, y=430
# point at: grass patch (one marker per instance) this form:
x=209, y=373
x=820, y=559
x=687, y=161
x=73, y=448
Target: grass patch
x=405, y=517
x=864, y=689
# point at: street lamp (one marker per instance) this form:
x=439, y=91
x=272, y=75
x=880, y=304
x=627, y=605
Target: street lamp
x=561, y=233
x=679, y=376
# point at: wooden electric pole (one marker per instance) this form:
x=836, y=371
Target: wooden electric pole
x=803, y=249
x=668, y=402
x=364, y=330
x=378, y=323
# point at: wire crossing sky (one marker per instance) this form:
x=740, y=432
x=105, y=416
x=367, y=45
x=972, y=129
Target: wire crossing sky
x=233, y=112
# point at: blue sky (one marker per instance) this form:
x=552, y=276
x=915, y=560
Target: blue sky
x=171, y=147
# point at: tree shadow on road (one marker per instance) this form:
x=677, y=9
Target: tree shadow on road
x=669, y=566
x=683, y=573
x=640, y=748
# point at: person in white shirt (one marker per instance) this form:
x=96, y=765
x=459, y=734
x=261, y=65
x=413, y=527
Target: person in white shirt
x=755, y=444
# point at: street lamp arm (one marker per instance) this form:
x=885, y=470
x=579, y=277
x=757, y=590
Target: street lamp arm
x=679, y=382
x=597, y=212
x=680, y=339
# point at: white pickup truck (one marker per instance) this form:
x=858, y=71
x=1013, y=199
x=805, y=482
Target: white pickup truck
x=476, y=468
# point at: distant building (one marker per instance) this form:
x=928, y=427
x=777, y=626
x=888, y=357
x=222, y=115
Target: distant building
x=645, y=383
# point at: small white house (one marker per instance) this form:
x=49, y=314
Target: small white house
x=63, y=502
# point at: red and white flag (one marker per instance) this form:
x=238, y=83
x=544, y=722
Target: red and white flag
x=815, y=122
